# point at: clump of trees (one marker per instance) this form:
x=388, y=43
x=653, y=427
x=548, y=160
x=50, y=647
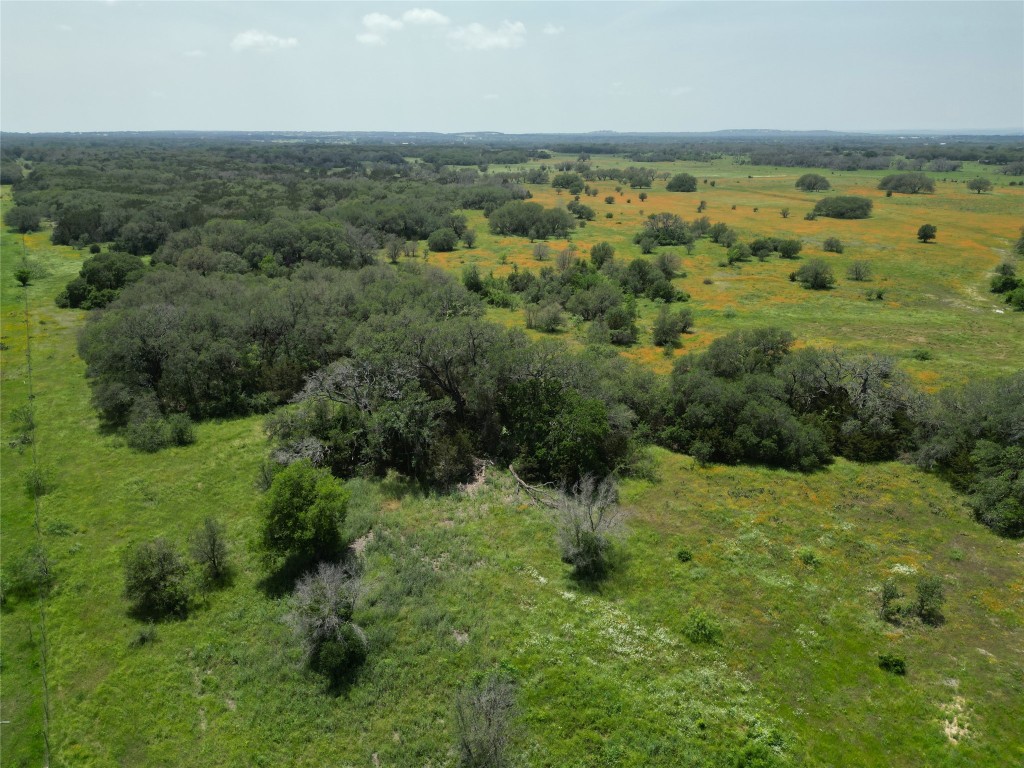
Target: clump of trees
x=843, y=207
x=101, y=280
x=682, y=182
x=749, y=398
x=973, y=436
x=531, y=220
x=907, y=183
x=813, y=182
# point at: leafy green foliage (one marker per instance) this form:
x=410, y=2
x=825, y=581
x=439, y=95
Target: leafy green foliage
x=926, y=232
x=702, y=628
x=682, y=182
x=209, y=549
x=907, y=183
x=843, y=207
x=813, y=182
x=155, y=579
x=531, y=220
x=816, y=274
x=893, y=663
x=301, y=513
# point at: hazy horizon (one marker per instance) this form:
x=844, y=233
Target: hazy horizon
x=514, y=68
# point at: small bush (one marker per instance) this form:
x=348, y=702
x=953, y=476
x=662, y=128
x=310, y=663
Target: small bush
x=684, y=555
x=155, y=579
x=321, y=618
x=210, y=550
x=180, y=430
x=930, y=599
x=443, y=240
x=589, y=518
x=921, y=354
x=816, y=274
x=890, y=662
x=30, y=574
x=483, y=718
x=145, y=636
x=832, y=245
x=38, y=482
x=859, y=271
x=701, y=627
x=148, y=434
x=808, y=557
x=889, y=609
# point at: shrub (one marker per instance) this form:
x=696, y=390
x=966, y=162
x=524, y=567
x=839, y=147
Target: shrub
x=668, y=326
x=483, y=716
x=180, y=430
x=589, y=518
x=29, y=574
x=148, y=434
x=889, y=609
x=321, y=617
x=700, y=627
x=541, y=252
x=38, y=482
x=930, y=599
x=609, y=199
x=890, y=662
x=145, y=636
x=859, y=271
x=843, y=207
x=684, y=555
x=443, y=240
x=808, y=557
x=545, y=317
x=816, y=274
x=155, y=579
x=927, y=232
x=813, y=182
x=832, y=245
x=302, y=511
x=210, y=550
x=601, y=253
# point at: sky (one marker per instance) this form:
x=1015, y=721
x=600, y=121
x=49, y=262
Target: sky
x=514, y=67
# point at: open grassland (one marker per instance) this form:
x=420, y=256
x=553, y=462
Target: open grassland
x=936, y=297
x=788, y=564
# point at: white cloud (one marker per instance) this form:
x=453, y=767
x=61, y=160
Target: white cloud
x=424, y=16
x=380, y=22
x=195, y=53
x=477, y=37
x=551, y=29
x=370, y=38
x=263, y=42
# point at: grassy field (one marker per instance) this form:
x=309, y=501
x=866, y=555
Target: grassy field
x=788, y=564
x=936, y=294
